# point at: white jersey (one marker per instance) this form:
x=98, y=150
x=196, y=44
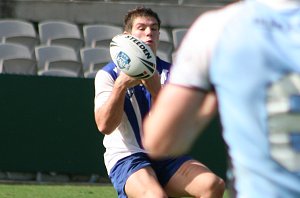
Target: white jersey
x=126, y=138
x=250, y=53
x=118, y=139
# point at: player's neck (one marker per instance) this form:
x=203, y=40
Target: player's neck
x=281, y=4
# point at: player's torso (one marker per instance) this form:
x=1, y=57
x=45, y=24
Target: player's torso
x=126, y=138
x=257, y=49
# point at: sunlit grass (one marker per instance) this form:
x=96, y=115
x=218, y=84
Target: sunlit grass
x=56, y=191
x=59, y=191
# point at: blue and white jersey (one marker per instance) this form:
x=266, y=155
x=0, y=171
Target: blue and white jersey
x=126, y=138
x=250, y=53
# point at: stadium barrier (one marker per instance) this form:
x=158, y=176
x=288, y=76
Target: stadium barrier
x=47, y=124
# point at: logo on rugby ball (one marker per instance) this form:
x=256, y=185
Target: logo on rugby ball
x=123, y=60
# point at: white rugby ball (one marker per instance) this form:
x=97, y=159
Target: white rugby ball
x=132, y=56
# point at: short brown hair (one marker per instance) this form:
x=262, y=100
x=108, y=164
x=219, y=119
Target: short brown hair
x=138, y=12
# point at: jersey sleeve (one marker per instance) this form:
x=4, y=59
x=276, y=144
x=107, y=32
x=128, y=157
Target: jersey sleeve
x=193, y=58
x=190, y=67
x=103, y=87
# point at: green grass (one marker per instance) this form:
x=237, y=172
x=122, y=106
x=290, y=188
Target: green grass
x=55, y=191
x=58, y=191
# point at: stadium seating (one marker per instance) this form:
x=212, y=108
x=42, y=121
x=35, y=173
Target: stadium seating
x=16, y=59
x=100, y=35
x=60, y=33
x=165, y=47
x=91, y=74
x=178, y=34
x=94, y=59
x=20, y=32
x=58, y=58
x=63, y=45
x=58, y=73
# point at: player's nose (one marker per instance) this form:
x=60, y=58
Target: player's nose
x=148, y=31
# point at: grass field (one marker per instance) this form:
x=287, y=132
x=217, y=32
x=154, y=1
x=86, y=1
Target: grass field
x=57, y=191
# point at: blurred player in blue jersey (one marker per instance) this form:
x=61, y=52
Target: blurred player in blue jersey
x=121, y=103
x=245, y=60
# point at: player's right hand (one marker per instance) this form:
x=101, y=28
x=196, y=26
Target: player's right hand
x=126, y=81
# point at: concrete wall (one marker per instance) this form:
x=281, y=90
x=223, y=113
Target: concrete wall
x=174, y=13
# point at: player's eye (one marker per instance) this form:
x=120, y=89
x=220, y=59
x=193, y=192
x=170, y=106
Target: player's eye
x=141, y=28
x=154, y=28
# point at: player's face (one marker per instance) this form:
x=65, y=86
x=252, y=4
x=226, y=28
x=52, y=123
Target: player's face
x=146, y=29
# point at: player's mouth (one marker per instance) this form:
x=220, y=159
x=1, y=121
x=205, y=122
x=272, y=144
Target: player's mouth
x=149, y=42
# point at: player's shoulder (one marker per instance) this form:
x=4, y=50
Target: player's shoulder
x=109, y=70
x=109, y=67
x=217, y=18
x=209, y=26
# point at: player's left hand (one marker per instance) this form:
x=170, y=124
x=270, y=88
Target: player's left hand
x=153, y=84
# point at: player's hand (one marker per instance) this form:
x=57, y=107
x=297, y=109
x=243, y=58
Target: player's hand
x=153, y=84
x=126, y=81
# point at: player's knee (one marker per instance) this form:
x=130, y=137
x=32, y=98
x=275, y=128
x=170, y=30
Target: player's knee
x=155, y=193
x=211, y=187
x=215, y=187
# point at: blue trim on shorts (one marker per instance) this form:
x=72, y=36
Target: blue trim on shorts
x=125, y=167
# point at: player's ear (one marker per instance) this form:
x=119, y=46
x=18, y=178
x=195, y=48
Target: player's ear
x=125, y=32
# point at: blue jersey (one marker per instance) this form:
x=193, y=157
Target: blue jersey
x=252, y=59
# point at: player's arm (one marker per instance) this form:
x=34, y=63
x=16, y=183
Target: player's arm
x=109, y=115
x=153, y=85
x=185, y=105
x=176, y=119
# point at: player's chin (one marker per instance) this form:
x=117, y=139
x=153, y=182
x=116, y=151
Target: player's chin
x=152, y=45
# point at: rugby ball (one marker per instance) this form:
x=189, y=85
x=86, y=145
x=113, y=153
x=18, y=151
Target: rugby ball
x=132, y=56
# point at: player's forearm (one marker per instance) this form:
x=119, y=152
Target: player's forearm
x=109, y=116
x=207, y=110
x=154, y=92
x=178, y=124
x=153, y=85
